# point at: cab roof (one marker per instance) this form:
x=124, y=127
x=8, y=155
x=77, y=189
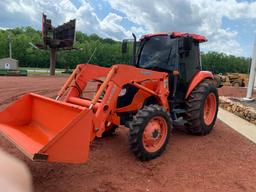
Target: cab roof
x=196, y=37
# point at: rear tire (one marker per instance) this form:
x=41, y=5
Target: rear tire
x=202, y=108
x=150, y=131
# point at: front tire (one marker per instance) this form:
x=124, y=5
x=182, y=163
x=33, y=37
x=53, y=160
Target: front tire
x=202, y=108
x=150, y=131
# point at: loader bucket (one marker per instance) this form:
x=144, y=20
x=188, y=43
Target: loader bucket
x=45, y=129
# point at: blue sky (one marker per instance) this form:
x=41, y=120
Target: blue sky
x=229, y=25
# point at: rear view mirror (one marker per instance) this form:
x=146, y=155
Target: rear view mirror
x=124, y=47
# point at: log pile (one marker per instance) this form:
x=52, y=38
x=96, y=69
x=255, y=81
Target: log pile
x=237, y=108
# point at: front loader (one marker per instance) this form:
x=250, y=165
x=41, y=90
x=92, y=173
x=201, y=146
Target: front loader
x=165, y=84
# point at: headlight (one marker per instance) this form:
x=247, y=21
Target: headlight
x=166, y=83
x=122, y=92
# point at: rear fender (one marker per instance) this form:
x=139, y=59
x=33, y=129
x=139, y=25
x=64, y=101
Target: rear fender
x=198, y=78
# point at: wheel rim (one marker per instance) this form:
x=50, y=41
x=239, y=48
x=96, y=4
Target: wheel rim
x=210, y=107
x=155, y=134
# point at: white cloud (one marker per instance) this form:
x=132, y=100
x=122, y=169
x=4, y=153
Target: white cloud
x=145, y=16
x=195, y=16
x=111, y=25
x=4, y=28
x=28, y=12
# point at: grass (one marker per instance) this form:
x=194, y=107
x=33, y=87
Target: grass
x=34, y=68
x=42, y=71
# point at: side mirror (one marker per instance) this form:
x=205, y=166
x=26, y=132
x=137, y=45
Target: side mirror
x=124, y=47
x=187, y=43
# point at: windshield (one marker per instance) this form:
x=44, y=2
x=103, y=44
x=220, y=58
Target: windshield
x=155, y=52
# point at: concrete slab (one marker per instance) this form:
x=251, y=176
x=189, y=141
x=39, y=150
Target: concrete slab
x=238, y=124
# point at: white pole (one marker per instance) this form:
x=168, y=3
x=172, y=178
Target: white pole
x=252, y=73
x=10, y=49
x=10, y=44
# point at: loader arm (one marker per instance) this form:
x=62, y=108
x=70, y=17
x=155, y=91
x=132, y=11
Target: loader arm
x=115, y=78
x=61, y=130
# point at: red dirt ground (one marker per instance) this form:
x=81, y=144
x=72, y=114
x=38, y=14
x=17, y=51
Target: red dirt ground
x=234, y=91
x=221, y=161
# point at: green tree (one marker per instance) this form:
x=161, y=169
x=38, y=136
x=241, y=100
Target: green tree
x=108, y=52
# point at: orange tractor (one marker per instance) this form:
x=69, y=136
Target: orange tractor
x=166, y=85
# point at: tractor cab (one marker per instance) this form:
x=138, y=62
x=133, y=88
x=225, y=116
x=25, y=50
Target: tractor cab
x=175, y=53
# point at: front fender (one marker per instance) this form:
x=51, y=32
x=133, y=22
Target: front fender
x=198, y=78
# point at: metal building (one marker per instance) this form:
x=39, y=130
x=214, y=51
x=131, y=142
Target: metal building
x=9, y=64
